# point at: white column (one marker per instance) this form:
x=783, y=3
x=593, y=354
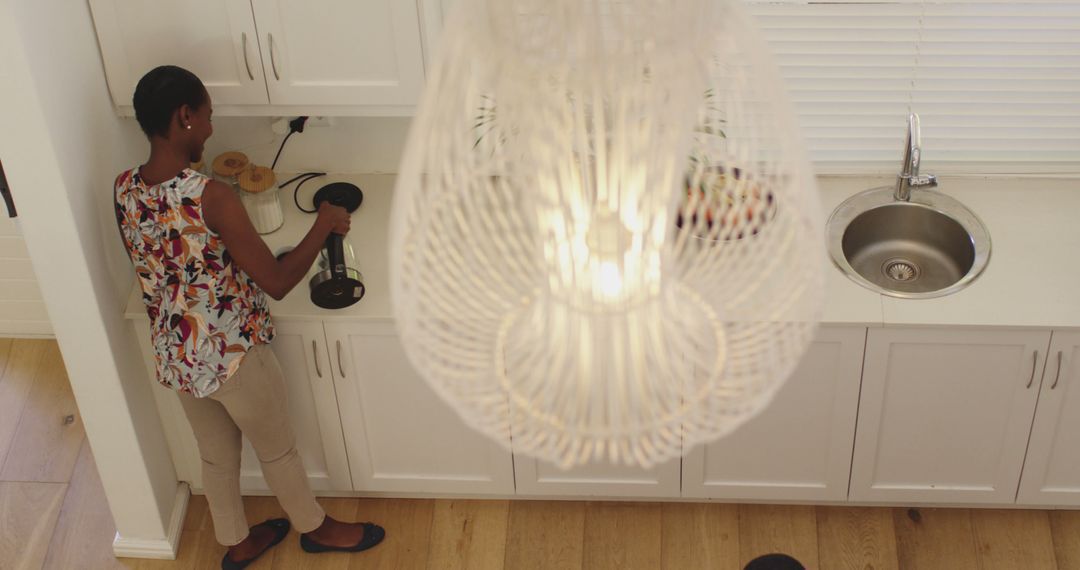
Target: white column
x=61, y=145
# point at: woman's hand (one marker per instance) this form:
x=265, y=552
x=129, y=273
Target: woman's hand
x=336, y=218
x=225, y=215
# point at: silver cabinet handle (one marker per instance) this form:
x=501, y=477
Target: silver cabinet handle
x=243, y=46
x=315, y=355
x=340, y=367
x=273, y=62
x=1034, y=362
x=1057, y=376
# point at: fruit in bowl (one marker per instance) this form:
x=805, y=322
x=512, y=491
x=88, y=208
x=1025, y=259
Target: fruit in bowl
x=726, y=205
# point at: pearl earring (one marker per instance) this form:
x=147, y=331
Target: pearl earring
x=188, y=127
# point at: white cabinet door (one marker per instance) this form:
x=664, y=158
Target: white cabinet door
x=214, y=39
x=301, y=349
x=400, y=435
x=799, y=448
x=341, y=52
x=944, y=415
x=1052, y=469
x=599, y=479
x=433, y=15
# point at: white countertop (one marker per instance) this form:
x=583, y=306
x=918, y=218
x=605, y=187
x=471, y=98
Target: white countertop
x=1032, y=280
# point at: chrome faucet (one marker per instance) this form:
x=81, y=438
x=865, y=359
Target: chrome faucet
x=909, y=171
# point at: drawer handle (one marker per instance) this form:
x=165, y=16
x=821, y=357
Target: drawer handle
x=315, y=355
x=247, y=65
x=340, y=367
x=273, y=62
x=1034, y=361
x=1057, y=376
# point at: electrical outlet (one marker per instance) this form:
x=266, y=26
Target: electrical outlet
x=280, y=126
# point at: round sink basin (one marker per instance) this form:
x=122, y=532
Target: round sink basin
x=927, y=247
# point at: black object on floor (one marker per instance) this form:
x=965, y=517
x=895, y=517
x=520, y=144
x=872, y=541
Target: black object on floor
x=281, y=530
x=775, y=562
x=373, y=534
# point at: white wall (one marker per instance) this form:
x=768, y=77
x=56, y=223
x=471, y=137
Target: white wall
x=350, y=145
x=71, y=89
x=22, y=310
x=62, y=145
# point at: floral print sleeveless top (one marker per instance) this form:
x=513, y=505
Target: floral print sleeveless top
x=205, y=312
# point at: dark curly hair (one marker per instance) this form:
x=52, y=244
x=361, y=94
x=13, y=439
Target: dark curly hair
x=161, y=92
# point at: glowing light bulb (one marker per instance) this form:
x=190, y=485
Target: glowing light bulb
x=609, y=280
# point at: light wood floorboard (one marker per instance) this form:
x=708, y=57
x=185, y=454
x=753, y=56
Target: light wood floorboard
x=50, y=433
x=856, y=538
x=17, y=370
x=700, y=535
x=1007, y=539
x=932, y=539
x=28, y=513
x=622, y=536
x=467, y=535
x=766, y=529
x=545, y=534
x=1065, y=534
x=84, y=532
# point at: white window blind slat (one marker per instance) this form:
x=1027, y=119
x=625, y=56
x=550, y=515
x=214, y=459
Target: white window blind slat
x=996, y=82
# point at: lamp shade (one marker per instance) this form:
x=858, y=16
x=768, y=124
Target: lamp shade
x=606, y=242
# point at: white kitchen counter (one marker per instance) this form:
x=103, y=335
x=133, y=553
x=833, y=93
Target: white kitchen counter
x=1032, y=280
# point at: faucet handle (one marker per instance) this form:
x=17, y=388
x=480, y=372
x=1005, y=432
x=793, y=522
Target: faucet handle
x=923, y=180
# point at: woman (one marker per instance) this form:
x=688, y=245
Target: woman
x=203, y=271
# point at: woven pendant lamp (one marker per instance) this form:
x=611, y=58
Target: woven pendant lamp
x=605, y=241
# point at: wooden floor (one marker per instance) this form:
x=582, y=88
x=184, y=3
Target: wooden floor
x=53, y=515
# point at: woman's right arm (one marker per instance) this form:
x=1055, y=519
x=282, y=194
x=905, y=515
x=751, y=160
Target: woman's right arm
x=225, y=215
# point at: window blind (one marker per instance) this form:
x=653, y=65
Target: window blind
x=996, y=83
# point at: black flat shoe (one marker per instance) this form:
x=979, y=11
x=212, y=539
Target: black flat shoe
x=281, y=530
x=373, y=534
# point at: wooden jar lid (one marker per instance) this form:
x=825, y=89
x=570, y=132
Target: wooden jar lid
x=256, y=179
x=231, y=163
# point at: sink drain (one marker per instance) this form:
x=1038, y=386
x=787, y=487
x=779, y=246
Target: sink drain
x=900, y=270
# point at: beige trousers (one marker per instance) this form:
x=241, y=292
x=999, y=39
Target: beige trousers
x=251, y=402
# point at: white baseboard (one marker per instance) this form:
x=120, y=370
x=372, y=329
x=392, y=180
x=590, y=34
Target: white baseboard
x=164, y=548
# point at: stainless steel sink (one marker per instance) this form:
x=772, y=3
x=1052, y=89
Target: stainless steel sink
x=908, y=241
x=927, y=246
